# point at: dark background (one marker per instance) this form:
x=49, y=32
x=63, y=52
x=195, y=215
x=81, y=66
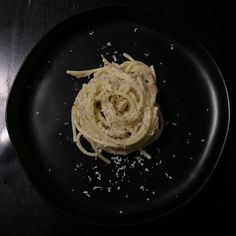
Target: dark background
x=22, y=24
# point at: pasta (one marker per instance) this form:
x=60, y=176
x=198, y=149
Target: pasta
x=116, y=111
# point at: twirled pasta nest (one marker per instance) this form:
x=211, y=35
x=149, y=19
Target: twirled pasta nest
x=116, y=111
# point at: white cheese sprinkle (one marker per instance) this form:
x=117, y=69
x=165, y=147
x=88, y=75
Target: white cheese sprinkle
x=98, y=175
x=86, y=193
x=79, y=165
x=117, y=160
x=97, y=187
x=133, y=164
x=141, y=188
x=145, y=154
x=121, y=168
x=168, y=176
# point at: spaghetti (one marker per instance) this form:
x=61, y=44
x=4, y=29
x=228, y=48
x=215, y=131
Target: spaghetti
x=116, y=111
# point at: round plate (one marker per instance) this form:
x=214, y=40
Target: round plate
x=192, y=96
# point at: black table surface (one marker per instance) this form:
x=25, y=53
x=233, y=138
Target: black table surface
x=22, y=210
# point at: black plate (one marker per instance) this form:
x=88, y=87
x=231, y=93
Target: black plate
x=193, y=99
